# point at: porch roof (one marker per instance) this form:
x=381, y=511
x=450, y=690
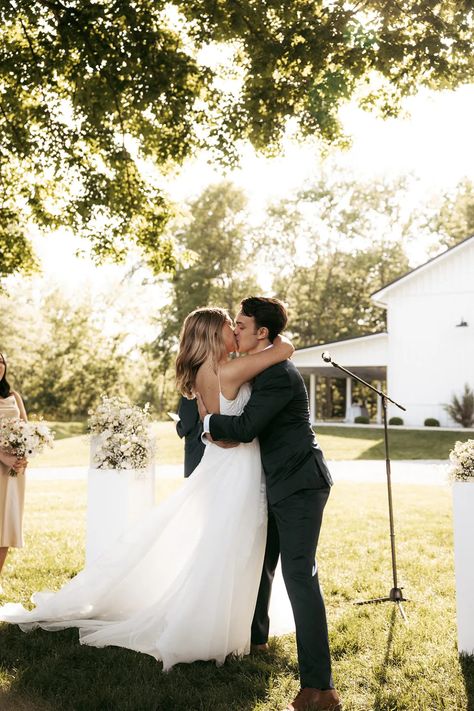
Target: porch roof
x=366, y=356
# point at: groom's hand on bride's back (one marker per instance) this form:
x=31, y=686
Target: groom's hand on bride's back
x=223, y=443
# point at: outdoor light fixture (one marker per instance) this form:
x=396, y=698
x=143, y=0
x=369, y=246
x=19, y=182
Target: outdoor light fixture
x=462, y=323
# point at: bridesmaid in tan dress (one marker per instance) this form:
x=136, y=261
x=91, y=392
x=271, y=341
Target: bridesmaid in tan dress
x=12, y=489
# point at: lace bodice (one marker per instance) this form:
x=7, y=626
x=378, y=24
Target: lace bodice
x=235, y=406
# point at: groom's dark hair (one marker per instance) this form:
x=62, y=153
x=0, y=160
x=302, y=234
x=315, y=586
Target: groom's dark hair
x=268, y=313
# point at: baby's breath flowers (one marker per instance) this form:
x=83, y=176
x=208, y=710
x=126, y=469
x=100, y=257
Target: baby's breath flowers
x=24, y=439
x=462, y=461
x=122, y=435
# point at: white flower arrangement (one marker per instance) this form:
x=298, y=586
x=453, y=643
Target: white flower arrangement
x=462, y=461
x=24, y=439
x=122, y=435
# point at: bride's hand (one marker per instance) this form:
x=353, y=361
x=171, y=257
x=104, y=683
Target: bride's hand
x=283, y=341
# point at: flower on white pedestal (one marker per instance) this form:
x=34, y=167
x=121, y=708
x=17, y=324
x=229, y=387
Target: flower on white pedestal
x=122, y=430
x=462, y=461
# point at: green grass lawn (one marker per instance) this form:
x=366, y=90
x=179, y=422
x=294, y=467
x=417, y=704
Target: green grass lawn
x=71, y=448
x=380, y=664
x=368, y=443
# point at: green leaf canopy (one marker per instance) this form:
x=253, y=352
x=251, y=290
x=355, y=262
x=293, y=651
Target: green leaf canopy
x=99, y=99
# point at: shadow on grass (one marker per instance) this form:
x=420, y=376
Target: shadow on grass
x=467, y=667
x=52, y=671
x=377, y=451
x=380, y=673
x=404, y=444
x=413, y=444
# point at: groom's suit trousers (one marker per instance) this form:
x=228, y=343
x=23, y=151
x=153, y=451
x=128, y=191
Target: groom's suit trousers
x=293, y=531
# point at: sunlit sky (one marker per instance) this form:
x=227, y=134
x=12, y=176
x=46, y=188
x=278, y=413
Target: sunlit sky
x=433, y=141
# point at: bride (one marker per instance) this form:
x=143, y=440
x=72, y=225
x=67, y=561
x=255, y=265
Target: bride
x=182, y=585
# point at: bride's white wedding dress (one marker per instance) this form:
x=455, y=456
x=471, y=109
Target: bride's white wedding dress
x=182, y=585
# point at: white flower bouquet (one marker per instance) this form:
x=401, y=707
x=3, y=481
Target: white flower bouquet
x=462, y=461
x=24, y=439
x=122, y=434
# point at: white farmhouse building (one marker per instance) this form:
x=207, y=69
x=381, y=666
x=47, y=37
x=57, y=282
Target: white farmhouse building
x=427, y=354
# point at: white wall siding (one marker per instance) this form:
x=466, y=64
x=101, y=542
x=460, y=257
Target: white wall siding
x=429, y=357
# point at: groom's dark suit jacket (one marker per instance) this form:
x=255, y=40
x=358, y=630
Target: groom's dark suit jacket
x=278, y=414
x=190, y=427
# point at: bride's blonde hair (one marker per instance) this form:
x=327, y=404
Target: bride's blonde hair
x=201, y=337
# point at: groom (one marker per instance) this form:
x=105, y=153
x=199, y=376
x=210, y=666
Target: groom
x=298, y=483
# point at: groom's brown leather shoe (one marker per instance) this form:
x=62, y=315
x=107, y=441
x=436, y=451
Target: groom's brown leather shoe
x=258, y=648
x=316, y=700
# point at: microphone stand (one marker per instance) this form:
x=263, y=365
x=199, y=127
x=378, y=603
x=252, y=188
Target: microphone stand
x=395, y=594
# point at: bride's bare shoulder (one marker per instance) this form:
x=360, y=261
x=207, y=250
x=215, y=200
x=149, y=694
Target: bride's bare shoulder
x=207, y=384
x=205, y=376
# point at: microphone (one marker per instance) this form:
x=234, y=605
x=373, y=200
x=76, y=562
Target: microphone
x=326, y=357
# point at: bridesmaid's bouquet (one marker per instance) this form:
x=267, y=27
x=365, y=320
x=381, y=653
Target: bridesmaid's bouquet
x=24, y=439
x=122, y=435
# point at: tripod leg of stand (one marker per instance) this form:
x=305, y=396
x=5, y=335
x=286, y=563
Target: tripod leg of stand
x=402, y=612
x=391, y=598
x=373, y=601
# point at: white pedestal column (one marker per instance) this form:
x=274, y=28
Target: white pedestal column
x=463, y=508
x=116, y=499
x=312, y=398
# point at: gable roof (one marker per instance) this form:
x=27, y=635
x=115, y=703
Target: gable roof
x=366, y=355
x=379, y=296
x=340, y=341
